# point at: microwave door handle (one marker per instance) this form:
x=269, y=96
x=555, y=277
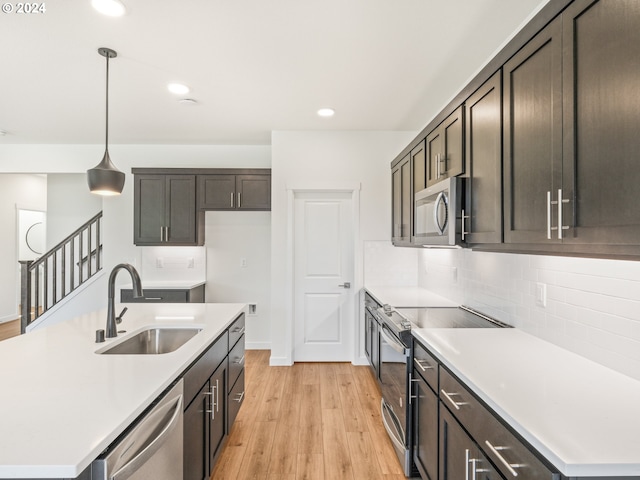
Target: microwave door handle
x=439, y=201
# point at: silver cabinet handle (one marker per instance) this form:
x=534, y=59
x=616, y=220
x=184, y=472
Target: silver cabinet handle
x=561, y=201
x=239, y=200
x=455, y=404
x=411, y=382
x=510, y=466
x=438, y=166
x=162, y=234
x=466, y=464
x=240, y=361
x=232, y=200
x=153, y=298
x=238, y=330
x=166, y=234
x=463, y=232
x=419, y=363
x=240, y=397
x=345, y=285
x=549, y=215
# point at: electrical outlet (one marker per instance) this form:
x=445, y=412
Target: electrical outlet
x=191, y=262
x=159, y=262
x=243, y=262
x=541, y=294
x=253, y=309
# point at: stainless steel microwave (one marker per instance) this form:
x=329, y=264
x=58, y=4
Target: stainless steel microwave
x=437, y=214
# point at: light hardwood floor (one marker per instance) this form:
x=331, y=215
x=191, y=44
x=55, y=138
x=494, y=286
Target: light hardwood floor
x=310, y=421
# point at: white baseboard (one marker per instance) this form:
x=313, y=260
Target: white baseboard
x=257, y=345
x=361, y=361
x=280, y=362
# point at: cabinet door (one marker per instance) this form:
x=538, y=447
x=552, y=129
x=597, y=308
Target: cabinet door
x=218, y=415
x=375, y=348
x=601, y=47
x=425, y=428
x=236, y=397
x=368, y=335
x=180, y=216
x=253, y=192
x=149, y=209
x=445, y=152
x=533, y=137
x=402, y=200
x=460, y=457
x=483, y=121
x=419, y=162
x=196, y=437
x=216, y=192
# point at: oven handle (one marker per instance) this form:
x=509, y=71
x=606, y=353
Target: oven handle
x=393, y=343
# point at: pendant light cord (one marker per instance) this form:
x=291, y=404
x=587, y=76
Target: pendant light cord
x=106, y=142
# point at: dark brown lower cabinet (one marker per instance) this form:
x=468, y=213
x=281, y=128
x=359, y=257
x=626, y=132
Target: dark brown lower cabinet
x=460, y=457
x=425, y=438
x=217, y=412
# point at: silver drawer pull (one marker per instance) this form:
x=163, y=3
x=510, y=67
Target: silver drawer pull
x=510, y=466
x=239, y=361
x=152, y=298
x=424, y=368
x=238, y=330
x=240, y=397
x=453, y=402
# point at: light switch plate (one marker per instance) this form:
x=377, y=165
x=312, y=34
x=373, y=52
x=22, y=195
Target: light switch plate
x=541, y=294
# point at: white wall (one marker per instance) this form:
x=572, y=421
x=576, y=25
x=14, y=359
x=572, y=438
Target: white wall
x=230, y=237
x=302, y=159
x=118, y=211
x=16, y=191
x=69, y=205
x=593, y=305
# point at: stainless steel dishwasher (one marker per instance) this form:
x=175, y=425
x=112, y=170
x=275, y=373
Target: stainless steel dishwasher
x=151, y=449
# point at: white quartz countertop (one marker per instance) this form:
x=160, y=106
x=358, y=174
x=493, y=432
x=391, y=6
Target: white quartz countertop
x=581, y=416
x=407, y=297
x=62, y=404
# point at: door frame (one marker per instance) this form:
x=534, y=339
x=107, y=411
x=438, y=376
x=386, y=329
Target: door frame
x=323, y=187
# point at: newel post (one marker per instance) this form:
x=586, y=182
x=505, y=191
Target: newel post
x=25, y=294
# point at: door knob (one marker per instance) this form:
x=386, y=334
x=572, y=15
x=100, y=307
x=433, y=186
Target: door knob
x=345, y=285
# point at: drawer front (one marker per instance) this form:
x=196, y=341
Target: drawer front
x=236, y=362
x=425, y=365
x=200, y=371
x=236, y=397
x=513, y=458
x=156, y=296
x=236, y=330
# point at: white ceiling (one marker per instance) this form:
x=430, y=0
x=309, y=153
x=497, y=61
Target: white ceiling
x=254, y=66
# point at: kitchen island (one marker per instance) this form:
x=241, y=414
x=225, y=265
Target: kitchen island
x=62, y=403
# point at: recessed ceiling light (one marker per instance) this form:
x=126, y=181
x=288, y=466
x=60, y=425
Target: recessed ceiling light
x=326, y=112
x=178, y=88
x=112, y=8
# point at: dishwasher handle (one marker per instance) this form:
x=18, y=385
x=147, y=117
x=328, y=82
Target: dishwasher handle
x=147, y=452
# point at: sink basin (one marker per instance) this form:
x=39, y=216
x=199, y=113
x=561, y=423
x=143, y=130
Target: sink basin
x=153, y=341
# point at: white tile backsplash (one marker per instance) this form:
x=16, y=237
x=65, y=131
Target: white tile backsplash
x=188, y=264
x=385, y=264
x=593, y=305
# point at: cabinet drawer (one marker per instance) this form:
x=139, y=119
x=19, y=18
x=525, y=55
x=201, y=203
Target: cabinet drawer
x=425, y=365
x=200, y=371
x=236, y=330
x=510, y=455
x=195, y=295
x=236, y=362
x=236, y=397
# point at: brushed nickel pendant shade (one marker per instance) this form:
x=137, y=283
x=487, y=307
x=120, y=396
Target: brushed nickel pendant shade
x=105, y=178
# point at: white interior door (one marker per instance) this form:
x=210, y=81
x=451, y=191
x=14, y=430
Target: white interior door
x=323, y=274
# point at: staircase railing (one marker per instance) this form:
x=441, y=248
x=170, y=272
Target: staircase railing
x=49, y=279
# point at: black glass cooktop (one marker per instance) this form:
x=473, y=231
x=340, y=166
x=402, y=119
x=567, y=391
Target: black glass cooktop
x=460, y=317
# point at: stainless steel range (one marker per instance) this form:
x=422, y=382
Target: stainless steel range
x=395, y=364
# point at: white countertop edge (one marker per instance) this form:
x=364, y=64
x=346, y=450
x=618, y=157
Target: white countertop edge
x=73, y=470
x=408, y=297
x=166, y=285
x=584, y=469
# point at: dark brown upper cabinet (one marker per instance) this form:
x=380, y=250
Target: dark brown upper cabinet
x=402, y=202
x=234, y=192
x=601, y=94
x=165, y=211
x=482, y=217
x=445, y=149
x=533, y=138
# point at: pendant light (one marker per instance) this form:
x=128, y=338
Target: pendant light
x=105, y=178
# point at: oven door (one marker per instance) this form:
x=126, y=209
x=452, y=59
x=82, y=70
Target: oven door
x=393, y=377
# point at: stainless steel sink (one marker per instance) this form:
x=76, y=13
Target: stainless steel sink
x=153, y=341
